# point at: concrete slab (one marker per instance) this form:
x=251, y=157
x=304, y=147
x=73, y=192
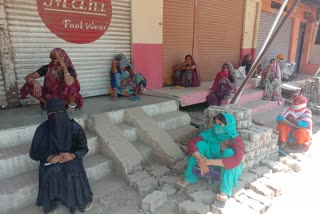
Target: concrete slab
x=189, y=96
x=29, y=115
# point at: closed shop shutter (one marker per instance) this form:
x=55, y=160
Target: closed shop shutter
x=32, y=41
x=281, y=43
x=178, y=21
x=219, y=39
x=3, y=100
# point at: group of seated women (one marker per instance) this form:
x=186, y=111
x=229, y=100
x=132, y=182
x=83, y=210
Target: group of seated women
x=61, y=82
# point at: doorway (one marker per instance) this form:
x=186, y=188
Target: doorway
x=300, y=47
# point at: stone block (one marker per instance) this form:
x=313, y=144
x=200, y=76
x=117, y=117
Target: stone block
x=260, y=171
x=253, y=204
x=160, y=171
x=243, y=124
x=191, y=207
x=231, y=207
x=261, y=189
x=248, y=177
x=168, y=180
x=248, y=145
x=292, y=164
x=272, y=184
x=250, y=134
x=132, y=179
x=277, y=166
x=168, y=189
x=206, y=197
x=153, y=201
x=241, y=185
x=258, y=197
x=195, y=188
x=146, y=185
x=250, y=155
x=257, y=152
x=250, y=164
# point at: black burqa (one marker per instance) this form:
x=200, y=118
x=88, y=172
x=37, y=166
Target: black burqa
x=64, y=182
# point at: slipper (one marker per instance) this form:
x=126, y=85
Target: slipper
x=134, y=98
x=222, y=198
x=180, y=184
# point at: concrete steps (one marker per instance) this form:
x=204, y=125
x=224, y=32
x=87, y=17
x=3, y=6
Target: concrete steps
x=15, y=160
x=131, y=133
x=20, y=191
x=172, y=120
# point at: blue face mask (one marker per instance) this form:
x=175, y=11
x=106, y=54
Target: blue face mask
x=218, y=129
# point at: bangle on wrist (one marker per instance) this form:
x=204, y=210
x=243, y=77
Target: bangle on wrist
x=31, y=81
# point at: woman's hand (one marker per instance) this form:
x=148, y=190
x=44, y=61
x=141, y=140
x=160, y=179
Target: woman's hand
x=54, y=159
x=66, y=156
x=204, y=169
x=37, y=90
x=115, y=63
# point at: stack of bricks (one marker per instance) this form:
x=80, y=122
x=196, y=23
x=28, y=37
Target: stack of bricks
x=260, y=142
x=311, y=90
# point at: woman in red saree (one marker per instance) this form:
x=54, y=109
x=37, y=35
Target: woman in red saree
x=60, y=81
x=223, y=85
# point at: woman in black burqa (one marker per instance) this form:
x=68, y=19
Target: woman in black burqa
x=60, y=144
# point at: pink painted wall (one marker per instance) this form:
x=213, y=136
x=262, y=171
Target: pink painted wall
x=147, y=59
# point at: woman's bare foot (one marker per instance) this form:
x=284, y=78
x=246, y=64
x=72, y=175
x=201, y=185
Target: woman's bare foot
x=222, y=197
x=183, y=184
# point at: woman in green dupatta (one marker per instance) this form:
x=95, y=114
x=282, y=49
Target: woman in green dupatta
x=212, y=146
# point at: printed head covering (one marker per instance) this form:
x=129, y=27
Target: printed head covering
x=65, y=58
x=123, y=62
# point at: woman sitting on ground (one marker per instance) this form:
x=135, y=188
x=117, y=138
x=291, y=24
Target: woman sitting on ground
x=187, y=73
x=60, y=144
x=124, y=81
x=247, y=61
x=271, y=82
x=295, y=124
x=223, y=86
x=60, y=81
x=221, y=147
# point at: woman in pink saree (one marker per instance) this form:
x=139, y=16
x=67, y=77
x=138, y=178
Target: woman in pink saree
x=60, y=81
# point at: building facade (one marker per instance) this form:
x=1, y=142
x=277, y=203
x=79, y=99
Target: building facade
x=154, y=34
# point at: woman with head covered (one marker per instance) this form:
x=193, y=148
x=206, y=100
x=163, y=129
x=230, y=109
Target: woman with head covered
x=222, y=149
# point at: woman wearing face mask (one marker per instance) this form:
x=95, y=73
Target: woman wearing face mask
x=60, y=81
x=223, y=85
x=271, y=82
x=295, y=124
x=222, y=147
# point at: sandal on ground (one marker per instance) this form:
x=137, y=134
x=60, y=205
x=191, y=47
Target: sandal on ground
x=222, y=198
x=71, y=108
x=89, y=206
x=182, y=184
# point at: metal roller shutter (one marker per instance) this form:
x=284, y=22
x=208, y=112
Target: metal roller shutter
x=178, y=21
x=32, y=41
x=281, y=43
x=219, y=39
